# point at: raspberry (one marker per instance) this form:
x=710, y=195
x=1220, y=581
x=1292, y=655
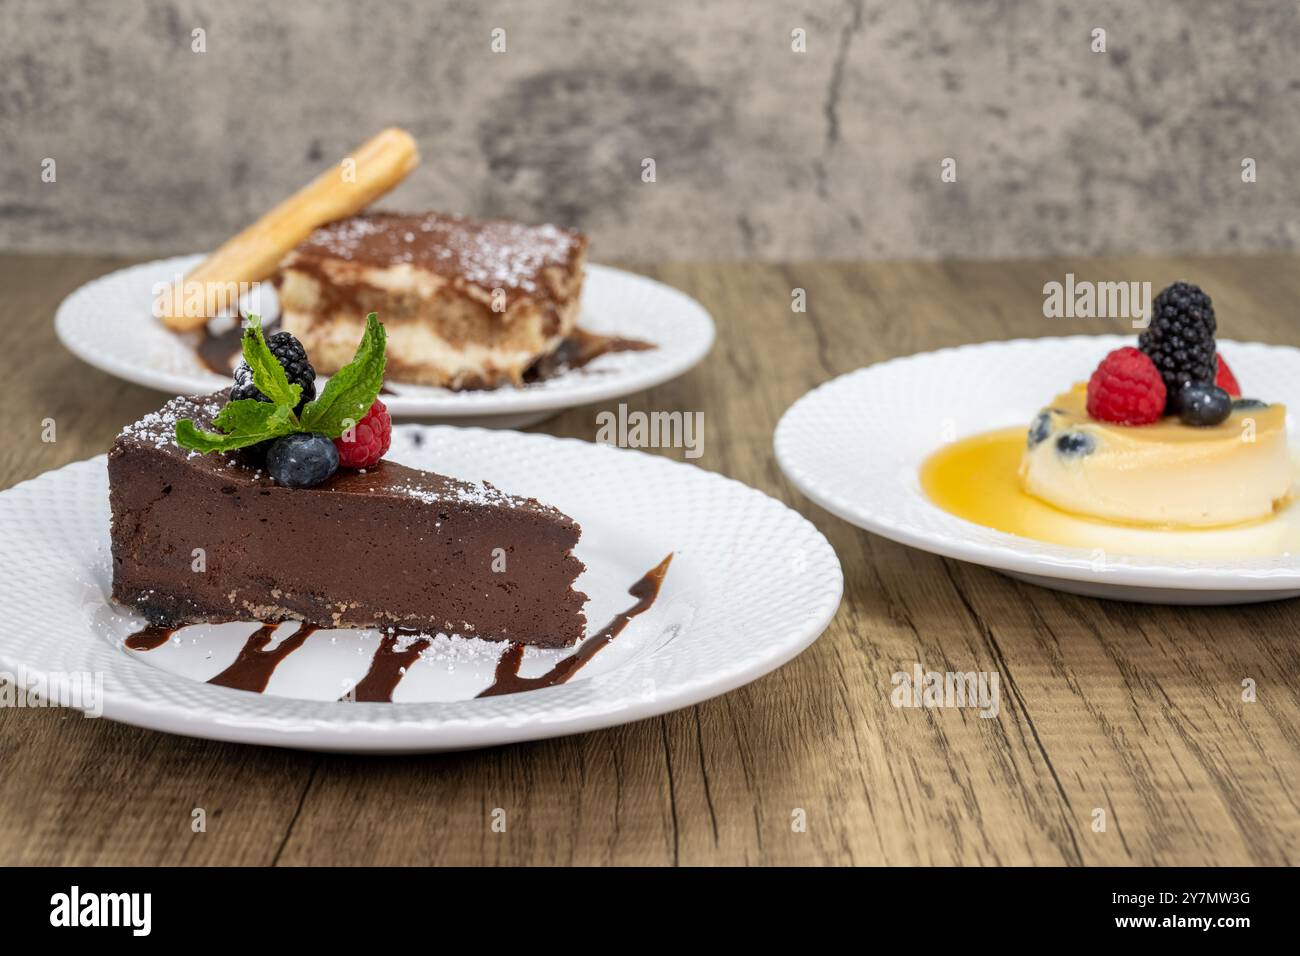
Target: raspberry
x=368, y=440
x=1224, y=378
x=1127, y=389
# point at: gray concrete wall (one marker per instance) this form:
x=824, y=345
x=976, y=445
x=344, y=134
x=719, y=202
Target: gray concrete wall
x=760, y=151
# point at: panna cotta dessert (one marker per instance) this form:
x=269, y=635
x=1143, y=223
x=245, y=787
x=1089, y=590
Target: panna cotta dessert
x=1164, y=473
x=1157, y=453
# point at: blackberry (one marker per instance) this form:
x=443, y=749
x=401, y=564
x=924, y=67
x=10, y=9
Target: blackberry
x=292, y=357
x=1180, y=338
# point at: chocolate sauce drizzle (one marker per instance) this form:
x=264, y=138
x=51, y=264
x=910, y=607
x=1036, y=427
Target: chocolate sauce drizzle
x=254, y=666
x=386, y=670
x=580, y=349
x=149, y=638
x=507, y=679
x=219, y=351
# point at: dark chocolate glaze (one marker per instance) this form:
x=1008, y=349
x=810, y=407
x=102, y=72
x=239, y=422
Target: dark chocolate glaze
x=146, y=639
x=254, y=666
x=507, y=679
x=386, y=670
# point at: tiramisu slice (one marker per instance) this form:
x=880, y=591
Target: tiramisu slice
x=466, y=303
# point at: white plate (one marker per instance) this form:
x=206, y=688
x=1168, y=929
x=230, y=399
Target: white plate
x=108, y=324
x=854, y=445
x=751, y=584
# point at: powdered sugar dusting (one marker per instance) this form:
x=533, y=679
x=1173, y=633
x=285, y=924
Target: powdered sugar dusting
x=460, y=492
x=159, y=428
x=491, y=254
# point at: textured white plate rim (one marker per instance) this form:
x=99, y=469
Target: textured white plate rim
x=422, y=727
x=1011, y=553
x=638, y=371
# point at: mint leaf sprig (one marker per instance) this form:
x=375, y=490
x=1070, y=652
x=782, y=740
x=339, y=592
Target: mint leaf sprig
x=268, y=373
x=245, y=422
x=346, y=398
x=351, y=390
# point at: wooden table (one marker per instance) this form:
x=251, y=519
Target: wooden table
x=1132, y=709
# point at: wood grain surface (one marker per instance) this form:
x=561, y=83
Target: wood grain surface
x=1131, y=709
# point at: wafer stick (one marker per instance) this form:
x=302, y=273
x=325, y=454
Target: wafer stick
x=253, y=255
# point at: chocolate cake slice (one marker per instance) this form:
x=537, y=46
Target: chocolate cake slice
x=214, y=538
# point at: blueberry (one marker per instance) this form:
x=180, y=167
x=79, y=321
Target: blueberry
x=1040, y=429
x=1075, y=443
x=1202, y=404
x=302, y=460
x=1248, y=403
